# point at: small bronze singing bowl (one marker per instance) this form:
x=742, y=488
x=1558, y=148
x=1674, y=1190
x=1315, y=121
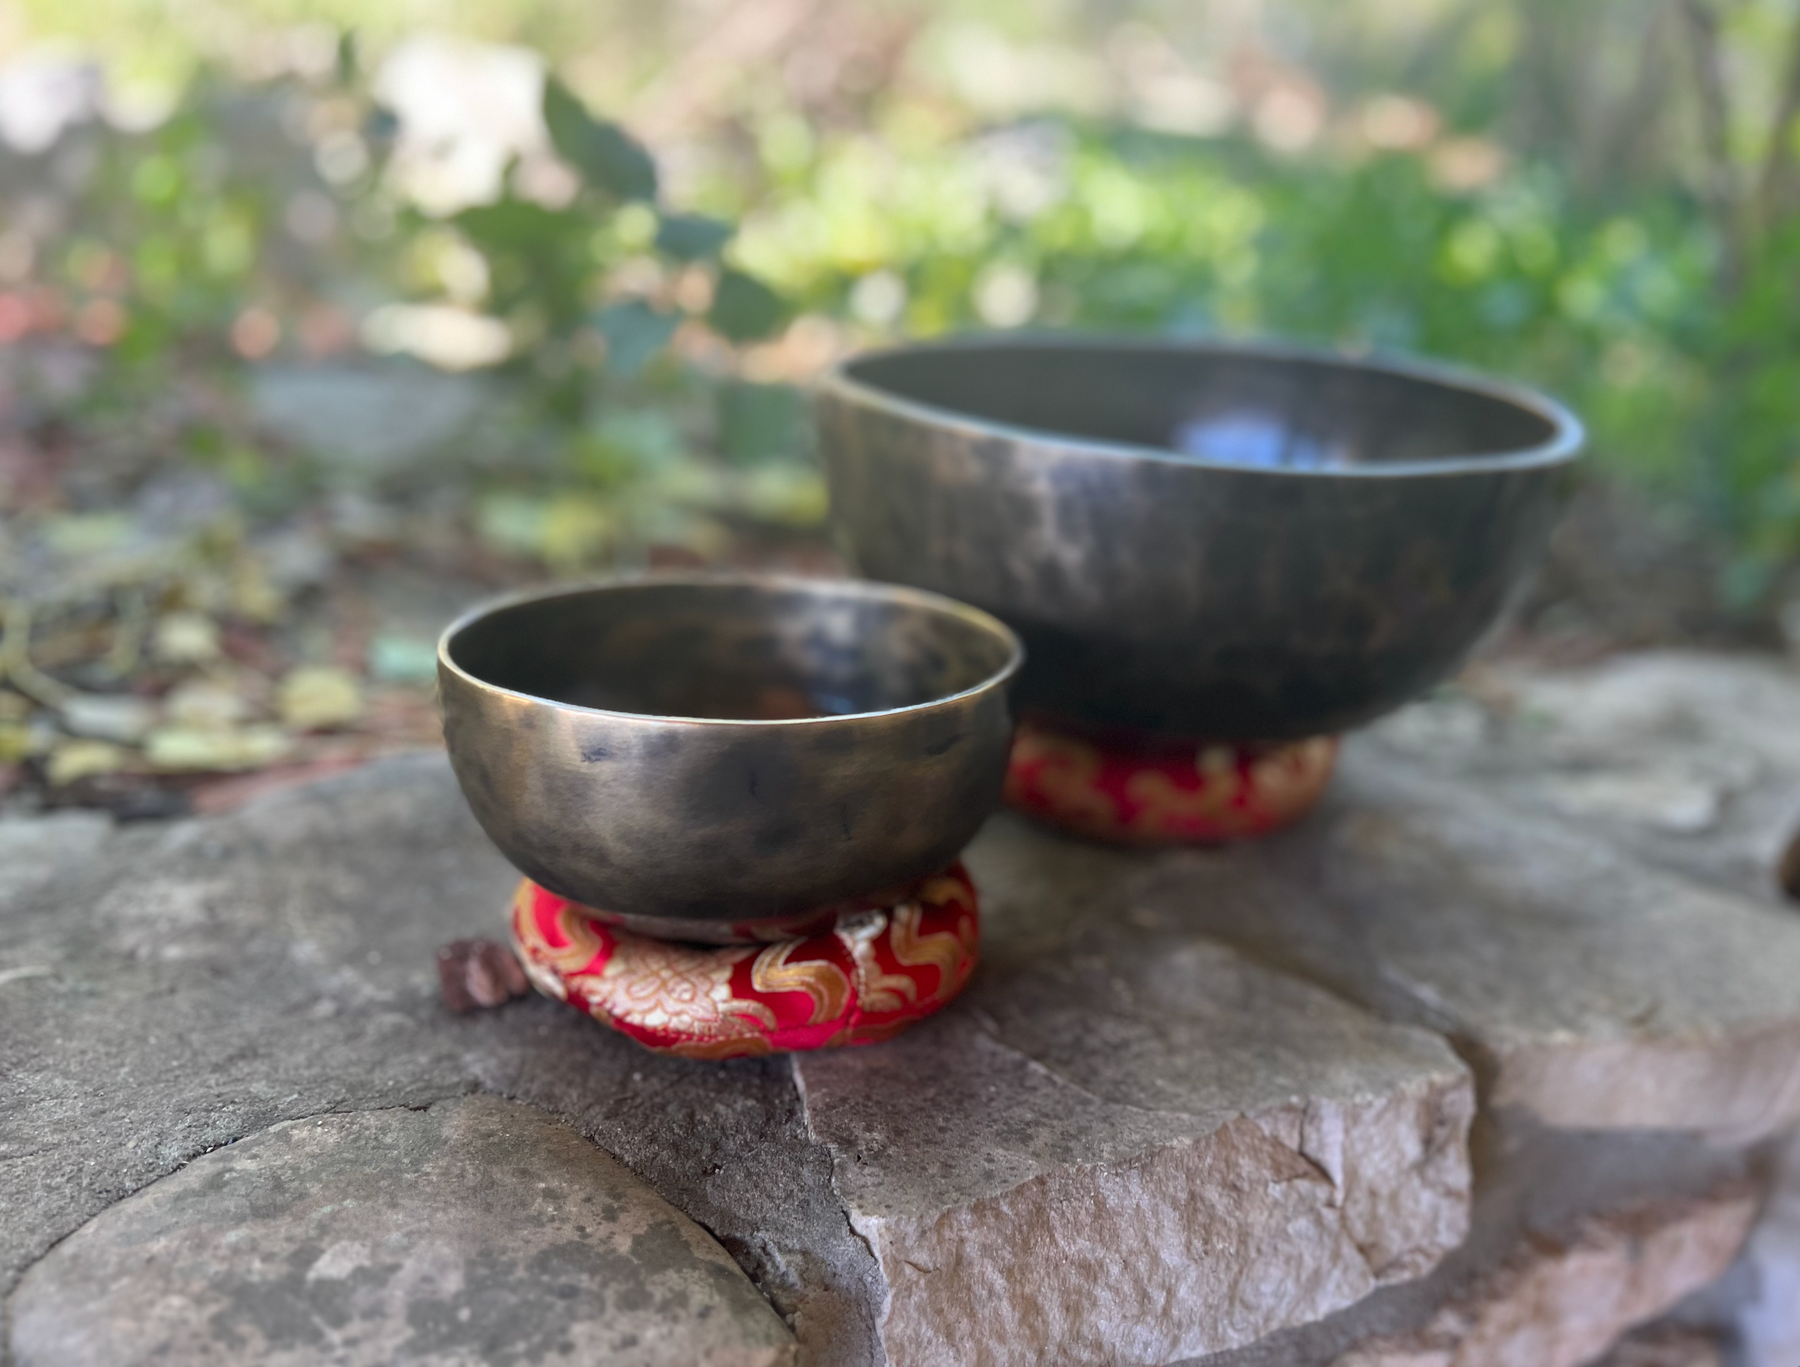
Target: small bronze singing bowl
x=1236, y=542
x=711, y=758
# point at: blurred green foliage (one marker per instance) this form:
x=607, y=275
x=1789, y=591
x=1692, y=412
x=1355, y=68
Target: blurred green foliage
x=258, y=222
x=1519, y=232
x=232, y=281
x=1688, y=389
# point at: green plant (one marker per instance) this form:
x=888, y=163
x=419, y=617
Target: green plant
x=1690, y=391
x=620, y=426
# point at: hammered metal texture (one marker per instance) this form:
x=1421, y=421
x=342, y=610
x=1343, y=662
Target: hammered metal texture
x=1093, y=495
x=642, y=746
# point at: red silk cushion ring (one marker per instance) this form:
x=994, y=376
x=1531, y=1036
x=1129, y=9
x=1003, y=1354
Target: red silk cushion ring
x=1135, y=788
x=873, y=974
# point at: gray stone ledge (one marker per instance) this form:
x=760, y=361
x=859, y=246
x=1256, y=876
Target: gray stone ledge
x=476, y=1232
x=1563, y=1299
x=212, y=979
x=1590, y=988
x=1190, y=1098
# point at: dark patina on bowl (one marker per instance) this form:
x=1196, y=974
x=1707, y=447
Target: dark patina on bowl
x=1228, y=541
x=708, y=758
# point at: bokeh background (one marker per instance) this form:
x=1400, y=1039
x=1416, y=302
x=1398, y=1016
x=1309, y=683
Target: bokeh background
x=318, y=320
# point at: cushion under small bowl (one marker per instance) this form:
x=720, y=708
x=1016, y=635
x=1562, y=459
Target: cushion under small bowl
x=868, y=976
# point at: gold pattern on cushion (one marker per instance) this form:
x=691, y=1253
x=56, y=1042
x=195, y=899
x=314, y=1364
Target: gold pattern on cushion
x=820, y=979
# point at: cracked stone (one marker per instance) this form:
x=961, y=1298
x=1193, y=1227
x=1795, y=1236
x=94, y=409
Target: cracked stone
x=1768, y=1320
x=479, y=1231
x=1594, y=989
x=1566, y=1298
x=1533, y=1185
x=1684, y=759
x=1728, y=723
x=1667, y=1346
x=174, y=990
x=1243, y=1153
x=1632, y=984
x=216, y=977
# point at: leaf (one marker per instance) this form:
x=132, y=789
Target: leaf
x=576, y=530
x=606, y=155
x=202, y=704
x=758, y=422
x=787, y=492
x=185, y=638
x=692, y=237
x=349, y=61
x=744, y=309
x=402, y=659
x=518, y=225
x=381, y=127
x=623, y=445
x=565, y=530
x=179, y=749
x=253, y=592
x=638, y=439
x=315, y=697
x=84, y=534
x=99, y=716
x=74, y=760
x=634, y=333
x=510, y=523
x=18, y=742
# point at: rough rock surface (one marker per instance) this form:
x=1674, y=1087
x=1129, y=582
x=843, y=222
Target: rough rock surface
x=1766, y=1316
x=1666, y=1345
x=193, y=986
x=1590, y=988
x=1186, y=1101
x=1565, y=1298
x=1244, y=1153
x=478, y=1231
x=164, y=992
x=1488, y=761
x=1685, y=760
x=1533, y=1183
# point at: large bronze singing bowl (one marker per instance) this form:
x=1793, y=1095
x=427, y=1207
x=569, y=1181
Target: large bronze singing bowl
x=1222, y=541
x=706, y=758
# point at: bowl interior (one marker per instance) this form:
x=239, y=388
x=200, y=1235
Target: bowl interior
x=733, y=651
x=1226, y=406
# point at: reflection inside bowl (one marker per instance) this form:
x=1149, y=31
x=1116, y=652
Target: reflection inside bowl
x=725, y=652
x=1255, y=439
x=1237, y=541
x=781, y=702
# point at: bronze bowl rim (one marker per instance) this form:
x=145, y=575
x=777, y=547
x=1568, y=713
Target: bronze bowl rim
x=1567, y=438
x=765, y=582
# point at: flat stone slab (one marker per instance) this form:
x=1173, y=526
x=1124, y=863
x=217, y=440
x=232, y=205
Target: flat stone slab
x=1140, y=1149
x=1687, y=760
x=194, y=986
x=1667, y=1346
x=477, y=1231
x=1565, y=1298
x=1190, y=1098
x=1767, y=1323
x=1540, y=1192
x=1591, y=988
